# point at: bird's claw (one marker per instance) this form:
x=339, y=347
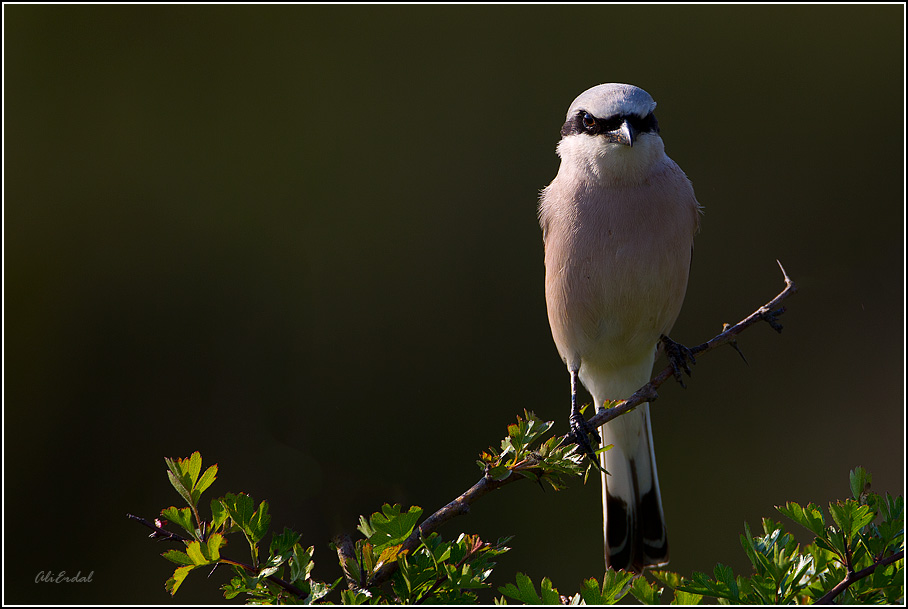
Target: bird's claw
x=678, y=356
x=772, y=318
x=581, y=432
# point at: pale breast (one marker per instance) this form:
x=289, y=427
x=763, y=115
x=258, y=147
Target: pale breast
x=617, y=262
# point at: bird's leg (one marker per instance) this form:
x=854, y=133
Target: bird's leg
x=580, y=429
x=678, y=356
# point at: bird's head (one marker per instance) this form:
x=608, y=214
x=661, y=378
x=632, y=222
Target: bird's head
x=611, y=134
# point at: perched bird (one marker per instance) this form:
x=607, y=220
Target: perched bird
x=618, y=222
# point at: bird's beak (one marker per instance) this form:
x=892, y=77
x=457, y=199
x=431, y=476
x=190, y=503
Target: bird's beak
x=625, y=134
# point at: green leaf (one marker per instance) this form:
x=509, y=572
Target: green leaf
x=253, y=522
x=833, y=541
x=524, y=591
x=851, y=516
x=365, y=528
x=355, y=597
x=402, y=585
x=391, y=526
x=686, y=598
x=181, y=517
x=669, y=578
x=241, y=507
x=591, y=593
x=724, y=575
x=234, y=588
x=673, y=581
x=499, y=473
x=274, y=564
x=188, y=468
x=183, y=475
x=615, y=586
x=701, y=584
x=319, y=590
x=550, y=595
x=528, y=474
x=366, y=552
x=173, y=584
x=213, y=547
x=821, y=556
x=301, y=563
x=859, y=480
x=893, y=509
x=259, y=523
x=183, y=487
x=203, y=554
x=748, y=543
x=207, y=478
x=810, y=517
x=180, y=558
x=219, y=514
x=646, y=592
x=388, y=554
x=284, y=542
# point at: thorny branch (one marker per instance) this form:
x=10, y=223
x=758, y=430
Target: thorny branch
x=768, y=313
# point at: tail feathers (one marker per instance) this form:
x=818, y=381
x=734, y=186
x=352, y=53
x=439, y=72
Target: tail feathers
x=635, y=536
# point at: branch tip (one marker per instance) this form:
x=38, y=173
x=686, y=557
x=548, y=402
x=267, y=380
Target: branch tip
x=788, y=282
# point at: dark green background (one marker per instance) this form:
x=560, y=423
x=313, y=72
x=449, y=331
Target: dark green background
x=302, y=240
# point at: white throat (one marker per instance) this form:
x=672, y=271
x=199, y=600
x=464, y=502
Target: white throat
x=591, y=158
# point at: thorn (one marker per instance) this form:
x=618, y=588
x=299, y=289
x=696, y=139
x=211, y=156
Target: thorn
x=784, y=274
x=734, y=345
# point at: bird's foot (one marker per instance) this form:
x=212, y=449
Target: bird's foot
x=581, y=432
x=772, y=318
x=678, y=356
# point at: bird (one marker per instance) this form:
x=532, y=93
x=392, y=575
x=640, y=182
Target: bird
x=618, y=224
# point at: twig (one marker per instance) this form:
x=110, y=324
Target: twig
x=854, y=576
x=768, y=313
x=158, y=532
x=346, y=554
x=647, y=393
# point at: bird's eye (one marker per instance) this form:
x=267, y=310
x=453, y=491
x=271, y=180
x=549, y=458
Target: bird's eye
x=589, y=121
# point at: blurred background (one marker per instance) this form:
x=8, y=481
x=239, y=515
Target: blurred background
x=276, y=234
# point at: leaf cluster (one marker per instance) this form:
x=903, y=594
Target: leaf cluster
x=865, y=531
x=288, y=562
x=553, y=461
x=785, y=573
x=615, y=586
x=437, y=570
